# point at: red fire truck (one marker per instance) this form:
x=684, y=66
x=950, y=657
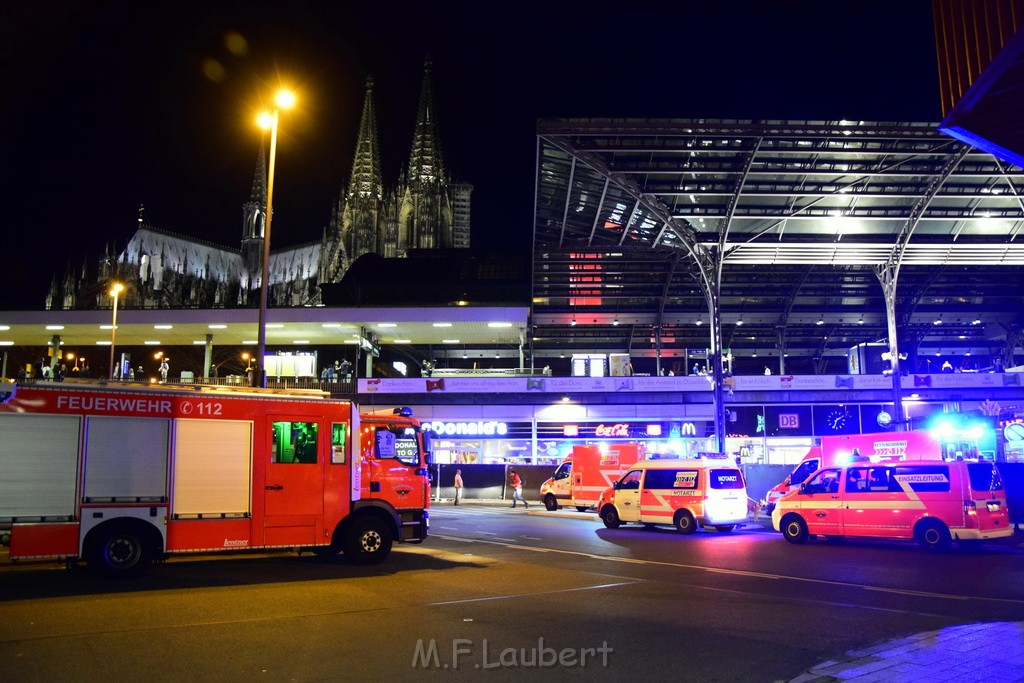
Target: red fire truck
x=120, y=476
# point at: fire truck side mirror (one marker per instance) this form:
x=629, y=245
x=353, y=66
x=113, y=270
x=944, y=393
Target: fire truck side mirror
x=7, y=390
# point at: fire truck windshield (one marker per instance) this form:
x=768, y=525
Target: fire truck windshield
x=400, y=443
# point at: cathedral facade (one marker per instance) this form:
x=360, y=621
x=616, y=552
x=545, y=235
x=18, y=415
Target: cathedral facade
x=424, y=209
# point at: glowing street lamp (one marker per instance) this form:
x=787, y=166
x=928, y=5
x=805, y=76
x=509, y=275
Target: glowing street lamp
x=115, y=290
x=283, y=100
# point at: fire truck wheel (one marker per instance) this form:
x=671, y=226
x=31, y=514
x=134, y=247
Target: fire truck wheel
x=369, y=541
x=610, y=517
x=119, y=551
x=684, y=522
x=932, y=534
x=794, y=529
x=550, y=503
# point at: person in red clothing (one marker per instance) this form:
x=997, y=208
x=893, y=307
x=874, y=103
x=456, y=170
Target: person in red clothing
x=517, y=488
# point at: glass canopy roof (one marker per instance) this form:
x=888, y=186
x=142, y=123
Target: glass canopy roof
x=794, y=220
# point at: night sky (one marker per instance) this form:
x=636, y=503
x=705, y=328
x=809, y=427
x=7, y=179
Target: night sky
x=109, y=105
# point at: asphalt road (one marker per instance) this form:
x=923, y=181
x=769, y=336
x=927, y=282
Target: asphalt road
x=502, y=594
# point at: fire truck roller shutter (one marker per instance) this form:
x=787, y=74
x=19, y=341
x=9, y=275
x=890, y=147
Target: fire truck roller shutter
x=39, y=475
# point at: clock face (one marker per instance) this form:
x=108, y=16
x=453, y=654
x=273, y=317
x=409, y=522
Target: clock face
x=837, y=418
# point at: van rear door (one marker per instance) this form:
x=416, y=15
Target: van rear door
x=985, y=490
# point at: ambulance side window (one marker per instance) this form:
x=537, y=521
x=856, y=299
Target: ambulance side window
x=293, y=442
x=857, y=480
x=826, y=481
x=879, y=480
x=669, y=479
x=922, y=479
x=563, y=471
x=631, y=480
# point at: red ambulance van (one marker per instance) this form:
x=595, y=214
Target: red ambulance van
x=932, y=502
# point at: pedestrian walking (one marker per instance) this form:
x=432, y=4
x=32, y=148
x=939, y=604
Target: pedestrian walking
x=458, y=486
x=517, y=489
x=165, y=367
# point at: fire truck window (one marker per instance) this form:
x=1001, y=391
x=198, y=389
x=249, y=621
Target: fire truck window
x=294, y=442
x=399, y=443
x=857, y=480
x=339, y=435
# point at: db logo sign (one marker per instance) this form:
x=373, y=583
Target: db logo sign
x=789, y=420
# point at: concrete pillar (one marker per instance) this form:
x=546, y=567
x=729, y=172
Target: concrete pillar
x=55, y=354
x=208, y=356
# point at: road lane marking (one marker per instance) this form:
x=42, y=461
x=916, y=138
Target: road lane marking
x=512, y=596
x=736, y=572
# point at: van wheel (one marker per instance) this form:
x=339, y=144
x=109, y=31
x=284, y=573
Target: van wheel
x=368, y=541
x=550, y=503
x=582, y=508
x=120, y=551
x=684, y=522
x=610, y=517
x=725, y=528
x=794, y=529
x=933, y=535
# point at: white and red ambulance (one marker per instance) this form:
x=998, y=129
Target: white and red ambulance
x=120, y=476
x=586, y=472
x=682, y=492
x=931, y=501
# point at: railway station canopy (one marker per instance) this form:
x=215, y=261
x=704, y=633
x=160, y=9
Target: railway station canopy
x=792, y=226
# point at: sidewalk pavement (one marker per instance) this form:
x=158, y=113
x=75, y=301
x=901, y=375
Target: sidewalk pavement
x=972, y=652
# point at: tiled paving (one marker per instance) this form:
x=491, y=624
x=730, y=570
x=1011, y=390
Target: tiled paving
x=975, y=652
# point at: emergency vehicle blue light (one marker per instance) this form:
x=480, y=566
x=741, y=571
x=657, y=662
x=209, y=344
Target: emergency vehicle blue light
x=405, y=411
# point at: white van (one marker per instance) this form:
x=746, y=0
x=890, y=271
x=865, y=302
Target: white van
x=683, y=493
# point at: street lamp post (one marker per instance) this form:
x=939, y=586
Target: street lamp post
x=115, y=290
x=282, y=100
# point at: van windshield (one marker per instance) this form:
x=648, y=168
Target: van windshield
x=802, y=471
x=726, y=479
x=984, y=477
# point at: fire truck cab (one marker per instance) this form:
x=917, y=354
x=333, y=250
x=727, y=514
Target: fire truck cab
x=120, y=475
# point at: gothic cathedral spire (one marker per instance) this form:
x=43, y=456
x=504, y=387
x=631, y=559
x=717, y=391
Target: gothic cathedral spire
x=253, y=218
x=355, y=227
x=366, y=180
x=425, y=163
x=425, y=203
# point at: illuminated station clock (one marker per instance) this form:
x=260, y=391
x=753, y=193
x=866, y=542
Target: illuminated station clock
x=838, y=418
